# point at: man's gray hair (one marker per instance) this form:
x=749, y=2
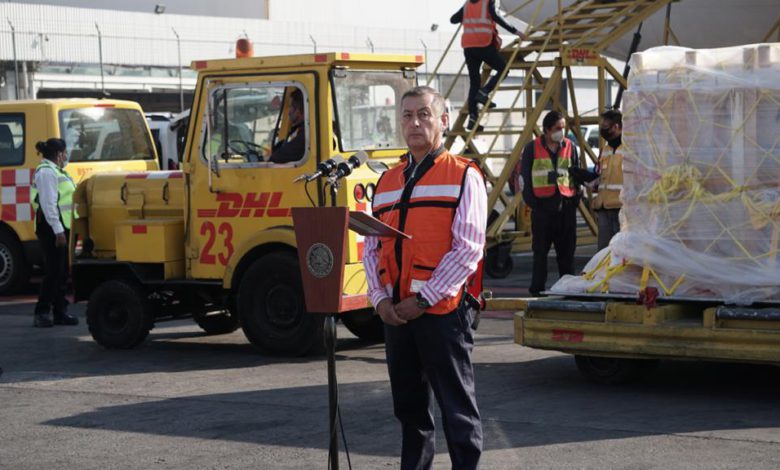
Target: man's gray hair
x=438, y=104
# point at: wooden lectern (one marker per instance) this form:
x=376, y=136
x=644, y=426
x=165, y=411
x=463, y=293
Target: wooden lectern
x=321, y=236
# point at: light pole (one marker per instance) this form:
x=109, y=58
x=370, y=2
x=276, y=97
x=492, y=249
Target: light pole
x=313, y=41
x=181, y=85
x=16, y=64
x=100, y=52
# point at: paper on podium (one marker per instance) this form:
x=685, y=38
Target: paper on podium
x=366, y=225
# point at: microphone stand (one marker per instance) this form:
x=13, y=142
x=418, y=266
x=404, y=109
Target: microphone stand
x=330, y=338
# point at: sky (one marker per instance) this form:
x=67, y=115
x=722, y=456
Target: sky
x=255, y=9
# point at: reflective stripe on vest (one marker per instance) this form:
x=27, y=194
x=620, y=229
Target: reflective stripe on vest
x=427, y=216
x=478, y=24
x=543, y=165
x=65, y=189
x=611, y=181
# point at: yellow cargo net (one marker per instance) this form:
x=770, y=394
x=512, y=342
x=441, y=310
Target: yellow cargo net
x=701, y=192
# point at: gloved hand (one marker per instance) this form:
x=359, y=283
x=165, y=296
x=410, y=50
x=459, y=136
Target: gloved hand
x=581, y=175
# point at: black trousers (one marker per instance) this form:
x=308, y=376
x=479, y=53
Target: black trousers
x=553, y=227
x=431, y=357
x=609, y=225
x=474, y=58
x=51, y=296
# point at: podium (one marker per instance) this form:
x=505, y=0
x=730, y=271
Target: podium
x=321, y=236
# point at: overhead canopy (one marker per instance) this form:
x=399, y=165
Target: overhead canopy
x=696, y=23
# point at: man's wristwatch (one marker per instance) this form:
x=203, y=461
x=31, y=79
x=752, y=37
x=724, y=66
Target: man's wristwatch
x=422, y=302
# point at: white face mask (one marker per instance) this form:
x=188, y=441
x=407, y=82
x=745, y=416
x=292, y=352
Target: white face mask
x=557, y=136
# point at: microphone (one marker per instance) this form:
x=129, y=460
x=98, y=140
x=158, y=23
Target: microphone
x=345, y=168
x=324, y=168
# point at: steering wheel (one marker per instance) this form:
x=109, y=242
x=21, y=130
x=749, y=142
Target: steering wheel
x=252, y=151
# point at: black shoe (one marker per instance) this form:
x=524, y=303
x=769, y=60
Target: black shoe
x=472, y=122
x=42, y=321
x=65, y=319
x=482, y=98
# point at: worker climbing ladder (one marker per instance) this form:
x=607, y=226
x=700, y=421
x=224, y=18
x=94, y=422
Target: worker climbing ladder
x=538, y=78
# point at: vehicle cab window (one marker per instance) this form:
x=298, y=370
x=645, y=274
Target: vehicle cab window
x=11, y=139
x=263, y=125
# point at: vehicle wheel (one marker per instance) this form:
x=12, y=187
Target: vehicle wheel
x=365, y=324
x=498, y=262
x=14, y=269
x=218, y=324
x=611, y=370
x=272, y=309
x=119, y=314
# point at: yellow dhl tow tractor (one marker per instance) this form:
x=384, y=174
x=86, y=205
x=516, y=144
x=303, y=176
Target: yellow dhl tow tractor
x=101, y=135
x=215, y=240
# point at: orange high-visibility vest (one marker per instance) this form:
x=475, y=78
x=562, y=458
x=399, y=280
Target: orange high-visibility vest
x=478, y=25
x=543, y=165
x=425, y=210
x=611, y=180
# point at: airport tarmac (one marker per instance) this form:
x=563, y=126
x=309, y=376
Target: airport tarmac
x=187, y=400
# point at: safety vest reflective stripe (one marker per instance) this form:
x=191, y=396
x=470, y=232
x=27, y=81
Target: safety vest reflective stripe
x=478, y=26
x=437, y=191
x=387, y=198
x=612, y=187
x=477, y=21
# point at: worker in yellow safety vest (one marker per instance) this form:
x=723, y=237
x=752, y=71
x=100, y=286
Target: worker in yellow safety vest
x=52, y=199
x=607, y=203
x=607, y=178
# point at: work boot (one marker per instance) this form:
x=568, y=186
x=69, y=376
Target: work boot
x=472, y=122
x=482, y=98
x=42, y=320
x=65, y=319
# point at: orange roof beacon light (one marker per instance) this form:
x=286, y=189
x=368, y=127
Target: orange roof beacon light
x=244, y=48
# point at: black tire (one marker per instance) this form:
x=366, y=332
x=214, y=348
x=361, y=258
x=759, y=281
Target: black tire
x=119, y=315
x=272, y=309
x=612, y=370
x=365, y=324
x=218, y=324
x=497, y=264
x=14, y=268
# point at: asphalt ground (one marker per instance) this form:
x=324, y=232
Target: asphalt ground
x=186, y=400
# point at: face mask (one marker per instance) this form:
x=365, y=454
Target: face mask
x=604, y=133
x=557, y=136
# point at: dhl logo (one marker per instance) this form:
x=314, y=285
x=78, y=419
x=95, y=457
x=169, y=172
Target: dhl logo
x=582, y=54
x=249, y=205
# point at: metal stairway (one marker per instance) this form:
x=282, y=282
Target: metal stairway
x=537, y=76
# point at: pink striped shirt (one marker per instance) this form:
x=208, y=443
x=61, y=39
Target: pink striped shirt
x=468, y=242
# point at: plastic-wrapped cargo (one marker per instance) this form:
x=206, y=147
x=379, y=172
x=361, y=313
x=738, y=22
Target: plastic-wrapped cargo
x=701, y=192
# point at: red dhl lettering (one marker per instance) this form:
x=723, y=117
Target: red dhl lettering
x=247, y=206
x=568, y=336
x=582, y=54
